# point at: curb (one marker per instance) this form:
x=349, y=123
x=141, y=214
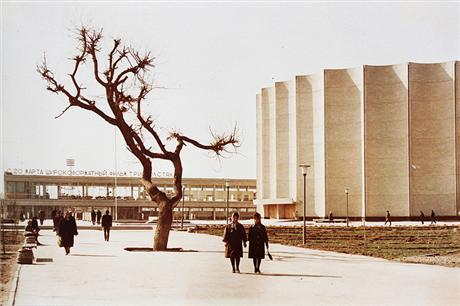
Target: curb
x=14, y=288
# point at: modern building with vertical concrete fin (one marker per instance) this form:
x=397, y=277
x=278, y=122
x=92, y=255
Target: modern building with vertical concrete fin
x=309, y=97
x=343, y=132
x=268, y=152
x=260, y=146
x=457, y=129
x=391, y=134
x=282, y=139
x=386, y=143
x=432, y=138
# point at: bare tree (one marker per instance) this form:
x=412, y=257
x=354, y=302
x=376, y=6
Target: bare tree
x=125, y=83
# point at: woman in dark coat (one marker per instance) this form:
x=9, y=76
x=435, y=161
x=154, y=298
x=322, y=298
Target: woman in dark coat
x=234, y=236
x=67, y=229
x=258, y=239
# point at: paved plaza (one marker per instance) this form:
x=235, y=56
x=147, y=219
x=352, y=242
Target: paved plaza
x=103, y=273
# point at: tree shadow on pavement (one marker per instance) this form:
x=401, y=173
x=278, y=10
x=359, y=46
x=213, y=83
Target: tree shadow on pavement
x=291, y=275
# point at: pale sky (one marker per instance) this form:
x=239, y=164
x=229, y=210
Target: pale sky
x=212, y=58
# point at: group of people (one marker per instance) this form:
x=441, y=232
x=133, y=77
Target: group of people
x=96, y=217
x=65, y=226
x=422, y=217
x=235, y=237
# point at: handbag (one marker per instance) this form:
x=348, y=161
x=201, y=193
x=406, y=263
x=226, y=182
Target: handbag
x=269, y=255
x=59, y=241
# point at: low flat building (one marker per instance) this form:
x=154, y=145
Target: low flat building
x=124, y=197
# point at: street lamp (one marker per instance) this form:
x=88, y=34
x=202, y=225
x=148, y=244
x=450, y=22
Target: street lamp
x=347, y=191
x=304, y=169
x=227, y=186
x=183, y=207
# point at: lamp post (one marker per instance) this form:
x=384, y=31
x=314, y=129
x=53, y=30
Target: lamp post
x=183, y=208
x=227, y=186
x=304, y=169
x=347, y=191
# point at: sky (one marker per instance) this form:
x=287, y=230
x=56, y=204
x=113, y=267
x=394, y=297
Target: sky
x=211, y=58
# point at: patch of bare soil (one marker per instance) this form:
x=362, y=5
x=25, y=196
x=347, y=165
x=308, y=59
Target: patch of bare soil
x=448, y=260
x=10, y=243
x=428, y=244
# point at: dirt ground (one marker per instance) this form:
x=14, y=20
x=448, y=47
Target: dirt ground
x=438, y=245
x=10, y=243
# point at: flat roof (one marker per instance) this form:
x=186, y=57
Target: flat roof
x=122, y=180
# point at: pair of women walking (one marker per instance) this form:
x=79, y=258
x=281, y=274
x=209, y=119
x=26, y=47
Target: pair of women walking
x=235, y=238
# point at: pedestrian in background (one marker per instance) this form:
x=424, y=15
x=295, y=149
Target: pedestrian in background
x=93, y=217
x=106, y=225
x=98, y=215
x=67, y=231
x=422, y=217
x=387, y=218
x=234, y=237
x=433, y=217
x=34, y=230
x=53, y=214
x=57, y=221
x=41, y=216
x=258, y=239
x=35, y=224
x=331, y=217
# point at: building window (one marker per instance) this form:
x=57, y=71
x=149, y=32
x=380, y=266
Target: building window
x=20, y=187
x=10, y=187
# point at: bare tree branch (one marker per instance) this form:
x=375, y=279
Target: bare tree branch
x=219, y=144
x=125, y=89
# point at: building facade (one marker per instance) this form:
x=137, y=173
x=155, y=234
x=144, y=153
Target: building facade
x=388, y=134
x=125, y=197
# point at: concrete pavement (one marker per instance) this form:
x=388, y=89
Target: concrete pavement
x=102, y=273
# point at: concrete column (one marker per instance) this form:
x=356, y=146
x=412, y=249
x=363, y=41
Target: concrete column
x=269, y=143
x=260, y=148
x=457, y=129
x=343, y=132
x=386, y=150
x=309, y=126
x=432, y=138
x=282, y=139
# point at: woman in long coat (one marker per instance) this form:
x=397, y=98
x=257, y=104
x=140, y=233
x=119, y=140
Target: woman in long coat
x=234, y=237
x=67, y=231
x=258, y=239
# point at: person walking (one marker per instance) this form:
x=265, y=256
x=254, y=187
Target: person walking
x=67, y=231
x=106, y=225
x=53, y=213
x=433, y=217
x=387, y=218
x=93, y=217
x=258, y=239
x=234, y=236
x=98, y=215
x=422, y=217
x=331, y=217
x=57, y=221
x=41, y=216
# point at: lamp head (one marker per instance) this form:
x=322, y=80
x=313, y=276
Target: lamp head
x=304, y=168
x=347, y=190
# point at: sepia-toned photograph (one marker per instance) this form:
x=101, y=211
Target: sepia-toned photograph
x=203, y=153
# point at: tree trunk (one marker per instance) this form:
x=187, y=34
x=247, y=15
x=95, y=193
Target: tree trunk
x=160, y=240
